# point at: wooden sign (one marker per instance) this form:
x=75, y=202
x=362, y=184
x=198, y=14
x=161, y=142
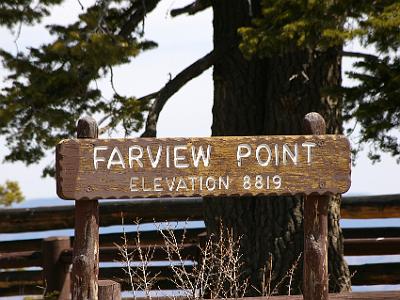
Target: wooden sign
x=216, y=166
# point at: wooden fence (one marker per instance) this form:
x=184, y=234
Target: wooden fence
x=53, y=256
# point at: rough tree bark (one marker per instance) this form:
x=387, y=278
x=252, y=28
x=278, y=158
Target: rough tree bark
x=265, y=97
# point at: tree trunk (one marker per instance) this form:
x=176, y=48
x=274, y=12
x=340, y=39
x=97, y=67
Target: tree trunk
x=266, y=97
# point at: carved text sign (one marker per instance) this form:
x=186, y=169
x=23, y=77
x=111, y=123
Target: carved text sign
x=216, y=166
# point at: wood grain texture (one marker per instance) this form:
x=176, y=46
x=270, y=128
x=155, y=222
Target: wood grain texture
x=85, y=261
x=56, y=274
x=13, y=260
x=315, y=266
x=391, y=295
x=371, y=207
x=109, y=290
x=173, y=209
x=77, y=178
x=27, y=282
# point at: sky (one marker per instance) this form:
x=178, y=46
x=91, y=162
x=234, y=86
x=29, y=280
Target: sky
x=188, y=113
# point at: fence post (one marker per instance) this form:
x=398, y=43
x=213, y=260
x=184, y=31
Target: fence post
x=85, y=262
x=56, y=273
x=315, y=267
x=109, y=290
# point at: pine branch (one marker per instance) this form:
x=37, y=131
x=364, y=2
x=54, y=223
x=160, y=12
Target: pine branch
x=161, y=97
x=191, y=9
x=358, y=55
x=138, y=16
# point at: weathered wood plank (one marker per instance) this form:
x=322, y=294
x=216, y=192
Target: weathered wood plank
x=32, y=258
x=20, y=278
x=173, y=209
x=109, y=290
x=315, y=266
x=152, y=237
x=377, y=246
x=383, y=295
x=372, y=274
x=56, y=274
x=188, y=252
x=217, y=166
x=14, y=282
x=21, y=259
x=85, y=261
x=371, y=232
x=61, y=217
x=390, y=295
x=370, y=207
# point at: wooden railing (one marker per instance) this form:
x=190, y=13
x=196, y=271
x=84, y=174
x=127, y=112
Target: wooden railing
x=30, y=253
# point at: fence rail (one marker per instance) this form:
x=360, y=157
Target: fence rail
x=28, y=253
x=29, y=250
x=14, y=281
x=168, y=209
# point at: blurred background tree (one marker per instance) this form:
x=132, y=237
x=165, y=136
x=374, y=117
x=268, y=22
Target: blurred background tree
x=274, y=61
x=10, y=193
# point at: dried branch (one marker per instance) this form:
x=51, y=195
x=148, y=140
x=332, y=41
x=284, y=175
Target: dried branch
x=138, y=16
x=217, y=274
x=191, y=9
x=140, y=278
x=358, y=55
x=161, y=97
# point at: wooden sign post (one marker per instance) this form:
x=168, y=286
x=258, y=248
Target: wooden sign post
x=315, y=165
x=315, y=265
x=85, y=262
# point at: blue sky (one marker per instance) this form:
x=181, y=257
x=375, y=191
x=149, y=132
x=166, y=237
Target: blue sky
x=181, y=41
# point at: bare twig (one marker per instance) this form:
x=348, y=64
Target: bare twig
x=358, y=55
x=217, y=274
x=81, y=5
x=112, y=80
x=161, y=97
x=289, y=274
x=126, y=257
x=140, y=278
x=191, y=9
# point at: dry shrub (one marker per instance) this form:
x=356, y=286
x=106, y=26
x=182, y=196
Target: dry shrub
x=215, y=272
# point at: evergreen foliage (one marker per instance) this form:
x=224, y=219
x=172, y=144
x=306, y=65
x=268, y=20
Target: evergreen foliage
x=10, y=193
x=316, y=26
x=51, y=86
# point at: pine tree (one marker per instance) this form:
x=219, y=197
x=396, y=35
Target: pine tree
x=273, y=62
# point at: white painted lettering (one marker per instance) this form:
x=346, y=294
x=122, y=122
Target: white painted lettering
x=276, y=155
x=193, y=181
x=240, y=154
x=259, y=160
x=201, y=155
x=209, y=186
x=170, y=183
x=287, y=152
x=178, y=158
x=154, y=162
x=181, y=184
x=223, y=182
x=167, y=156
x=96, y=158
x=144, y=186
x=308, y=145
x=118, y=161
x=135, y=157
x=157, y=184
x=133, y=184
